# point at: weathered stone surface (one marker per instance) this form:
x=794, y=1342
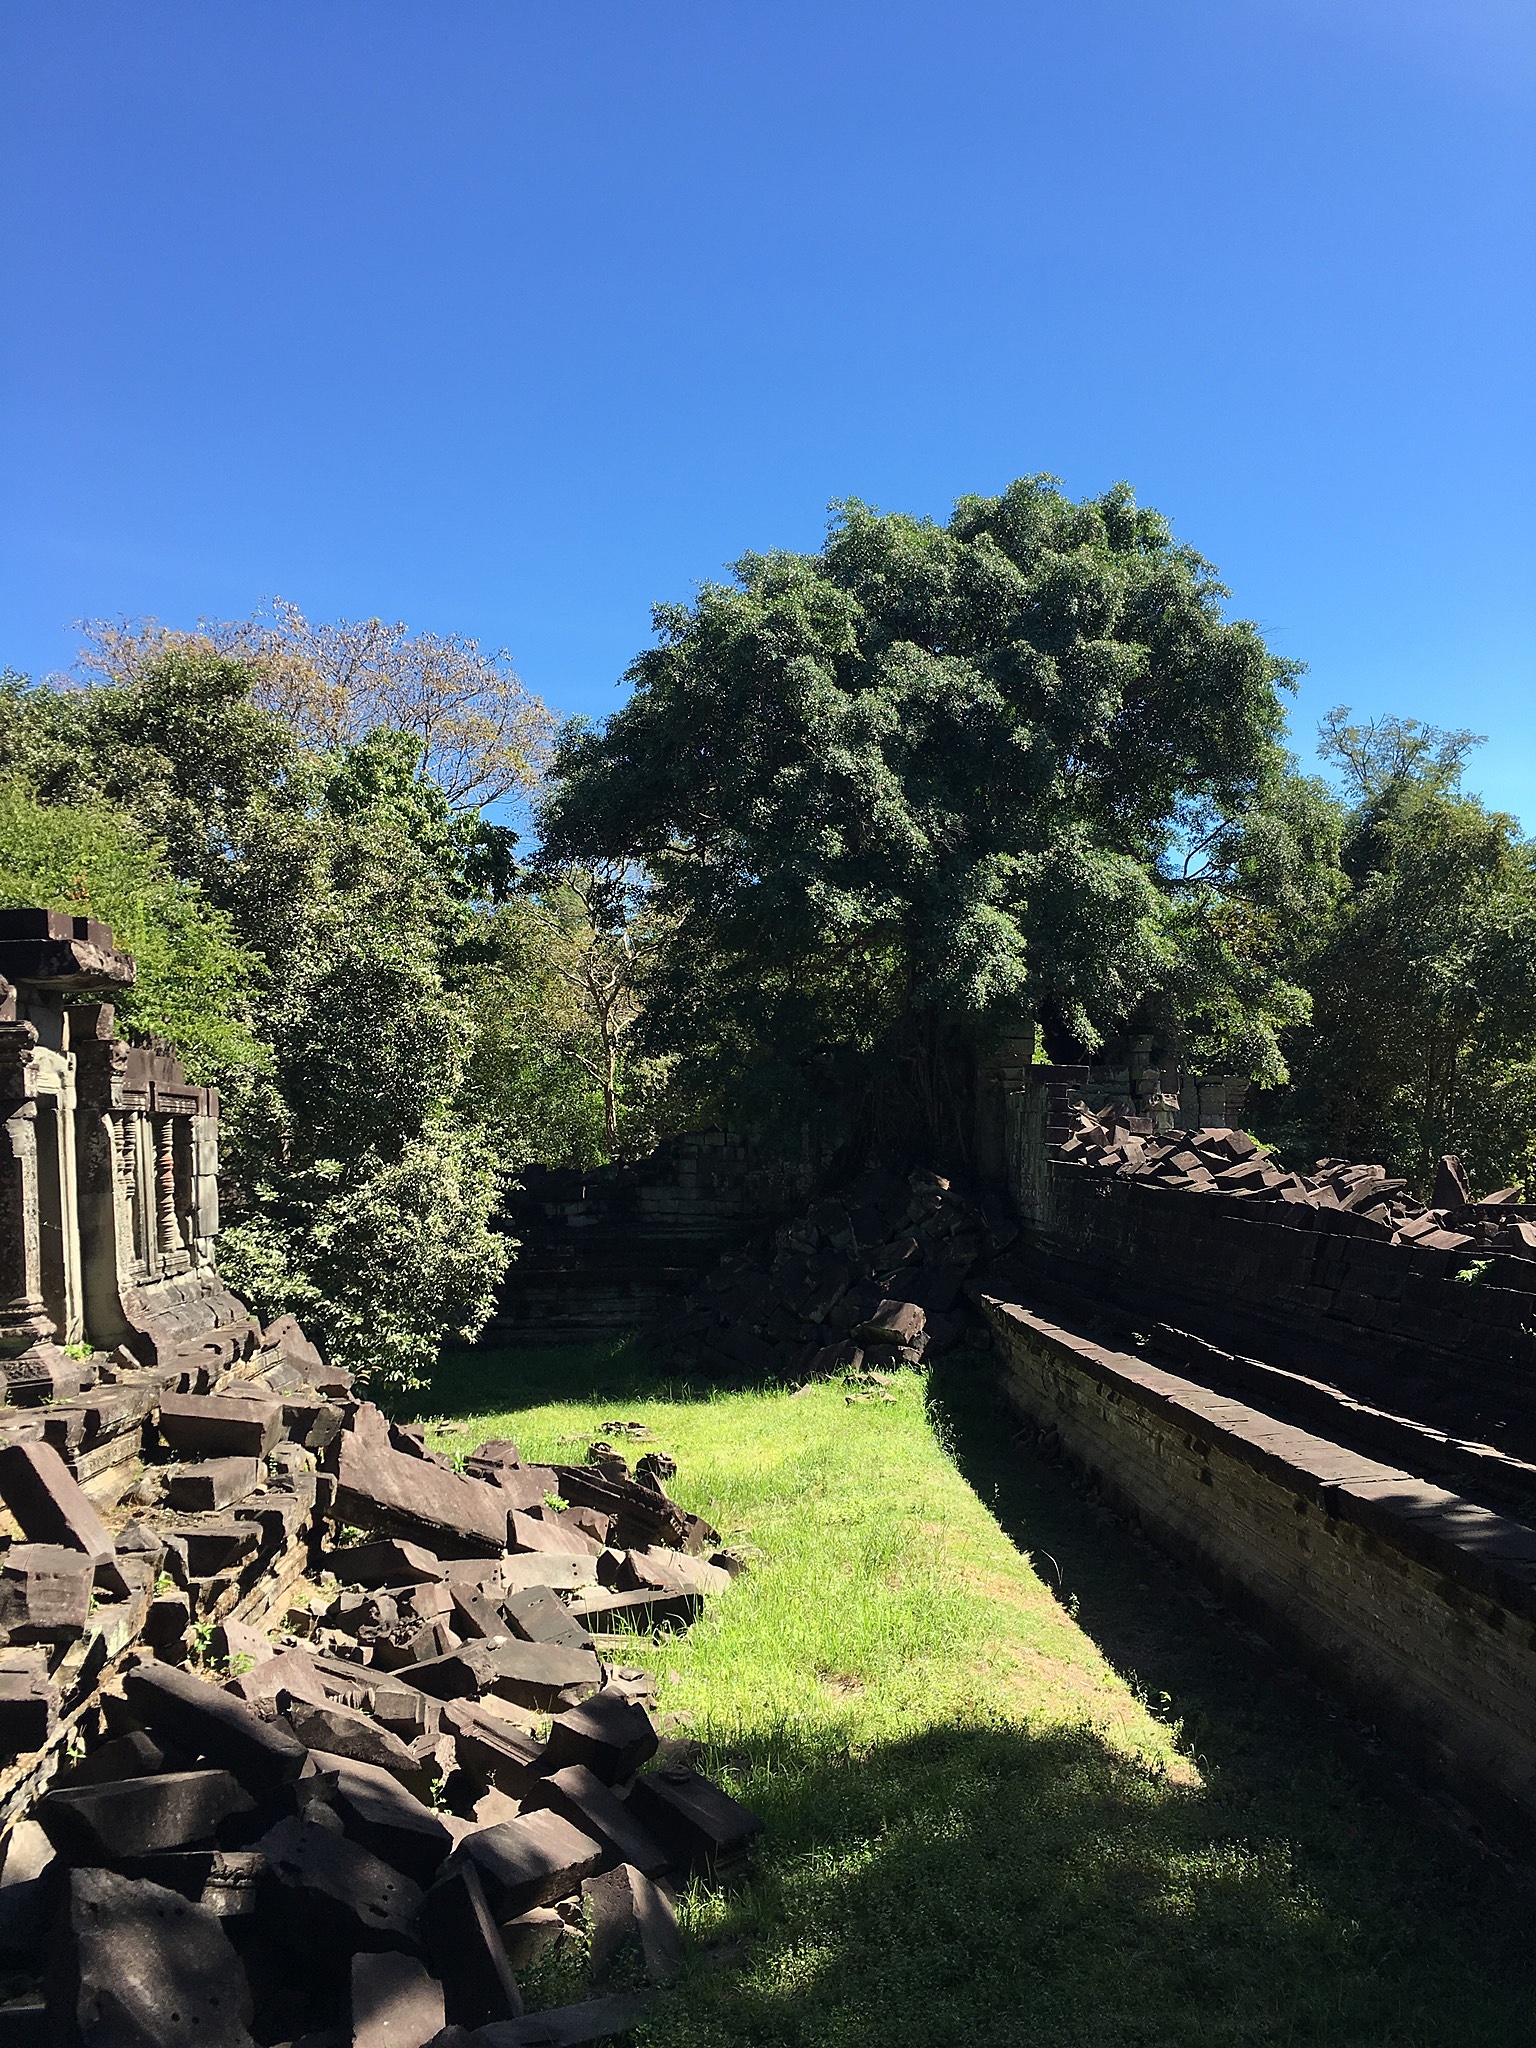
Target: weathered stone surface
x=377, y=1811
x=893, y=1322
x=227, y=1882
x=466, y=1950
x=138, y=1966
x=548, y=1568
x=601, y=1611
x=216, y=1483
x=49, y=1504
x=461, y=1674
x=377, y=1486
x=29, y=1702
x=385, y=1563
x=537, y=1674
x=626, y=1913
x=343, y=1732
x=395, y=2002
x=530, y=1861
x=703, y=1827
x=527, y=1936
x=533, y=1532
x=215, y=1725
x=134, y=1755
x=490, y=1749
x=136, y=1816
x=218, y=1426
x=610, y=1734
x=538, y=1615
x=582, y=1798
x=45, y=1592
x=474, y=1614
x=334, y=1891
x=214, y=1546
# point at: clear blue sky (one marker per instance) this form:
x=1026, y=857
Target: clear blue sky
x=517, y=318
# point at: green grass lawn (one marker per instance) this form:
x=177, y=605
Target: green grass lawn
x=1021, y=1784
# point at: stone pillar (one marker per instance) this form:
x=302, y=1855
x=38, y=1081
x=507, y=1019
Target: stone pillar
x=24, y=1319
x=167, y=1229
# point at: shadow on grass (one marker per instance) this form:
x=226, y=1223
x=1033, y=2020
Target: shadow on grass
x=471, y=1381
x=993, y=1888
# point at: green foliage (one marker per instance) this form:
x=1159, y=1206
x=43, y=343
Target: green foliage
x=1423, y=976
x=362, y=1176
x=934, y=782
x=385, y=1256
x=196, y=982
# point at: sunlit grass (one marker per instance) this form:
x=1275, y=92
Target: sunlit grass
x=978, y=1831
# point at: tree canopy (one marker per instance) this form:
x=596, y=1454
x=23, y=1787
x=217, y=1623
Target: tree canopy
x=939, y=783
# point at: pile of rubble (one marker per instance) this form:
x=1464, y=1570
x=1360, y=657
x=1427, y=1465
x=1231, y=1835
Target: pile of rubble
x=871, y=1274
x=312, y=1735
x=1217, y=1161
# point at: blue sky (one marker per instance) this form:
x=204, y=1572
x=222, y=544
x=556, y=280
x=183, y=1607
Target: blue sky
x=516, y=319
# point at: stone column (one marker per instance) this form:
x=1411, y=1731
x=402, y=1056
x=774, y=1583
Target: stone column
x=167, y=1229
x=24, y=1319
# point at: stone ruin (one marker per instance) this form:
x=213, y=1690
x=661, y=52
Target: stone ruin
x=305, y=1732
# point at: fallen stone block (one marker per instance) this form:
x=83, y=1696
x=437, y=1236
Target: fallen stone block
x=533, y=1532
x=378, y=1486
x=273, y=1683
x=49, y=1504
x=215, y=1546
x=220, y=1425
x=343, y=1732
x=413, y=1643
x=395, y=2003
x=490, y=1749
x=527, y=1936
x=474, y=1614
x=582, y=1798
x=467, y=1952
x=29, y=1703
x=136, y=1816
x=538, y=1675
x=203, y=1722
x=333, y=1894
x=135, y=1965
x=705, y=1829
x=45, y=1592
x=461, y=1674
x=216, y=1483
x=629, y=1917
x=377, y=1811
x=225, y=1882
x=537, y=1615
x=893, y=1323
x=550, y=1569
x=134, y=1755
x=530, y=1861
x=609, y=1734
x=384, y=1563
x=604, y=1611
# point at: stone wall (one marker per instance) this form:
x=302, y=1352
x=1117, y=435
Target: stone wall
x=608, y=1250
x=1417, y=1604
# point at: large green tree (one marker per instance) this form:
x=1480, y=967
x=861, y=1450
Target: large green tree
x=934, y=784
x=1423, y=977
